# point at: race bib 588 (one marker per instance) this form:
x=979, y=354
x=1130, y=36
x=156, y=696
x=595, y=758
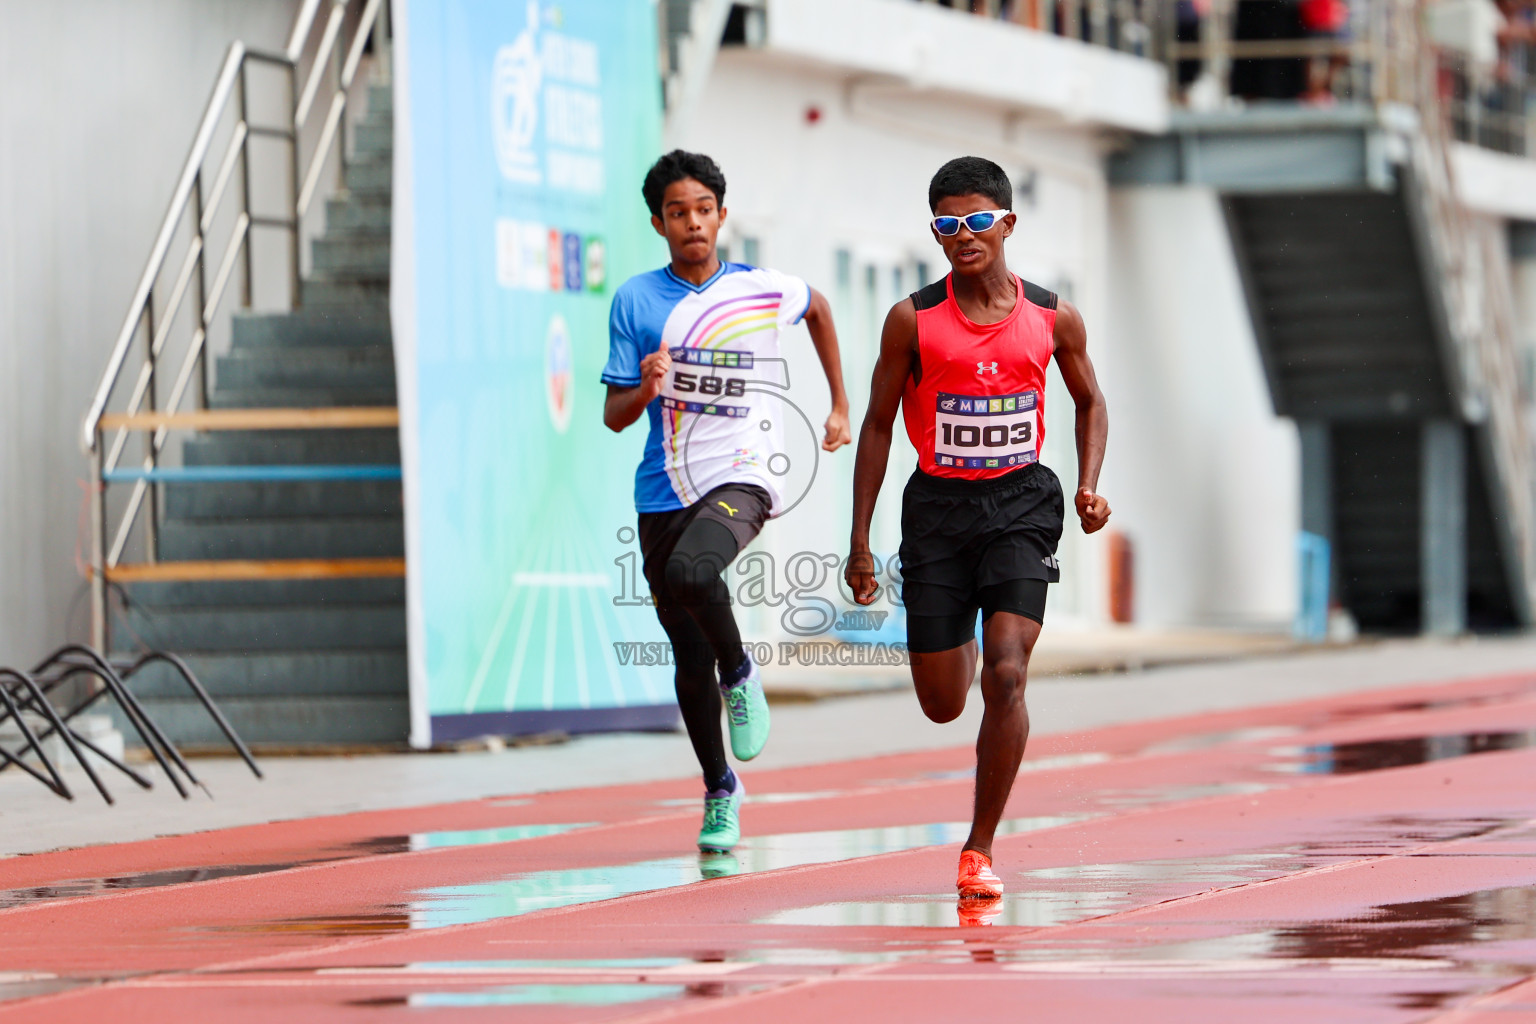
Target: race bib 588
x=708, y=381
x=985, y=431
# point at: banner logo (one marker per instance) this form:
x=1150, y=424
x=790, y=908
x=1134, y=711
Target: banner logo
x=546, y=83
x=517, y=78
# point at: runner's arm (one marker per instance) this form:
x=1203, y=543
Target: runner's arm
x=818, y=320
x=625, y=405
x=1092, y=414
x=898, y=351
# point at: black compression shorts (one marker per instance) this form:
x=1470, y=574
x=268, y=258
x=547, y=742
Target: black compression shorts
x=976, y=545
x=711, y=532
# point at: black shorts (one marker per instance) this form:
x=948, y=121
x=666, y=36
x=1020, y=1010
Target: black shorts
x=741, y=509
x=976, y=545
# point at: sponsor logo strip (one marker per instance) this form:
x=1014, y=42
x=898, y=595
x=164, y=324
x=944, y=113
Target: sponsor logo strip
x=988, y=405
x=998, y=462
x=712, y=357
x=707, y=409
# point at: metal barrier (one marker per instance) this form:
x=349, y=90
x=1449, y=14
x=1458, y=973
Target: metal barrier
x=320, y=66
x=27, y=693
x=1127, y=25
x=1492, y=106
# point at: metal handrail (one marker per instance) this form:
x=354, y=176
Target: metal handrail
x=332, y=57
x=224, y=85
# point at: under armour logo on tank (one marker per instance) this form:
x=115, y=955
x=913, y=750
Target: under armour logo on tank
x=985, y=422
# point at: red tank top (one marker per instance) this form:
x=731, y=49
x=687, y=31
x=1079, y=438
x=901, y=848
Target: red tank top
x=979, y=411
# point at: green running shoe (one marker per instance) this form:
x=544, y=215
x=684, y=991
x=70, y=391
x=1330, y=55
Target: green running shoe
x=747, y=709
x=722, y=824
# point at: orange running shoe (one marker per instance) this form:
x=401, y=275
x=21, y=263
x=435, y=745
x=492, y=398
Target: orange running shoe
x=976, y=878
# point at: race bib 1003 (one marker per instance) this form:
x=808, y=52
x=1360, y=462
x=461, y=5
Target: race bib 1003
x=709, y=382
x=985, y=431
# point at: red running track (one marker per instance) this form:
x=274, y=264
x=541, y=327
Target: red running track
x=1364, y=858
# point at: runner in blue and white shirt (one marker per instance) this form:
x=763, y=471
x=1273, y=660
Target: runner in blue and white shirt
x=686, y=345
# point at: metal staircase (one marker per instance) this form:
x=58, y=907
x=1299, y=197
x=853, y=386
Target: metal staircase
x=262, y=537
x=1380, y=328
x=1343, y=301
x=295, y=661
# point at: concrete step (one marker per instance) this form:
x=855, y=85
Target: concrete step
x=361, y=212
x=352, y=255
x=296, y=366
x=366, y=297
x=232, y=629
x=293, y=447
x=285, y=537
x=373, y=138
x=370, y=175
x=341, y=328
x=267, y=593
x=272, y=500
x=281, y=722
x=299, y=397
x=297, y=675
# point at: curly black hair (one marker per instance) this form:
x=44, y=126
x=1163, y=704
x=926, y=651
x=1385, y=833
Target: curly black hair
x=971, y=175
x=675, y=166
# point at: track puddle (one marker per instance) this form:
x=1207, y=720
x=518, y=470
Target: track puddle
x=486, y=836
x=522, y=894
x=532, y=995
x=1052, y=896
x=77, y=888
x=1399, y=752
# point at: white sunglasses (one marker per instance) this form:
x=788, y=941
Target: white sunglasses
x=986, y=220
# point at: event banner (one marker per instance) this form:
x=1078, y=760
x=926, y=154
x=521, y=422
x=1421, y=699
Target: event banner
x=523, y=132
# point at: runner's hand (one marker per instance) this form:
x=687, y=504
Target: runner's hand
x=653, y=371
x=1092, y=510
x=838, y=433
x=860, y=577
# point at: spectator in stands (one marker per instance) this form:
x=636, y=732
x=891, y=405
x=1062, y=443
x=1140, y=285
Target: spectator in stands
x=1513, y=94
x=1268, y=78
x=1326, y=20
x=1187, y=17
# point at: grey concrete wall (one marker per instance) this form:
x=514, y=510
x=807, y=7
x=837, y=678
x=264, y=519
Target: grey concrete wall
x=98, y=103
x=1206, y=480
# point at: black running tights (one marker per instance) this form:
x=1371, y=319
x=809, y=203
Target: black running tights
x=694, y=606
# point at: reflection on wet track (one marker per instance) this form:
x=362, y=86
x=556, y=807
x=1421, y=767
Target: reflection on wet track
x=522, y=894
x=1360, y=860
x=1398, y=752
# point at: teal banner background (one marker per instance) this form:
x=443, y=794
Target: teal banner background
x=531, y=126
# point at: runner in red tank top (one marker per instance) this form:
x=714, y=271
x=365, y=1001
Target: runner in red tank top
x=965, y=358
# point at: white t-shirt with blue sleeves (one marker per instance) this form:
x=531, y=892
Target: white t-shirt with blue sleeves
x=710, y=425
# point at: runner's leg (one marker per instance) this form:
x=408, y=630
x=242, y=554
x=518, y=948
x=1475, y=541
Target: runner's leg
x=1009, y=638
x=698, y=694
x=942, y=678
x=693, y=577
x=728, y=518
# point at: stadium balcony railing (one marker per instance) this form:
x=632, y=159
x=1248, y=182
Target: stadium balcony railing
x=1430, y=55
